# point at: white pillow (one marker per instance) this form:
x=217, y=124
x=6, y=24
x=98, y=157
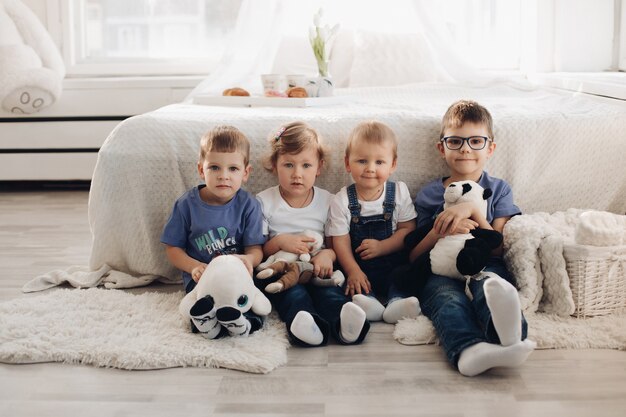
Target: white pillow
x=384, y=59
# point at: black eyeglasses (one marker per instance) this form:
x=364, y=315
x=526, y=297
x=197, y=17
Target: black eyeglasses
x=454, y=143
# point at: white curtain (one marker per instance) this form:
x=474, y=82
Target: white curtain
x=265, y=25
x=460, y=37
x=251, y=51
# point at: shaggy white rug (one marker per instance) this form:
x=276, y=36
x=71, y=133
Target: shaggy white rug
x=549, y=331
x=113, y=328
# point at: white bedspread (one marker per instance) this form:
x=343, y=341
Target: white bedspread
x=557, y=150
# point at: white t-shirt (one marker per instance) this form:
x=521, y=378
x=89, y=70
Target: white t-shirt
x=339, y=216
x=279, y=217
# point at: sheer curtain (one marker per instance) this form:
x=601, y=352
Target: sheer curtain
x=251, y=51
x=463, y=38
x=263, y=24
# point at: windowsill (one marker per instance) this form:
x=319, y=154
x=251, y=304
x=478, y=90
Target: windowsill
x=606, y=84
x=189, y=81
x=116, y=96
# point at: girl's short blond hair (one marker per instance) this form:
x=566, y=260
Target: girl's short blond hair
x=372, y=132
x=466, y=111
x=292, y=138
x=224, y=139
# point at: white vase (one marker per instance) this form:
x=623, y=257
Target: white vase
x=325, y=87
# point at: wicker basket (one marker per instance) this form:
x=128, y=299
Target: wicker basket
x=597, y=278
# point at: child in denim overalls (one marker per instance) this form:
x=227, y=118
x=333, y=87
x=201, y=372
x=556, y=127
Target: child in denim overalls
x=368, y=222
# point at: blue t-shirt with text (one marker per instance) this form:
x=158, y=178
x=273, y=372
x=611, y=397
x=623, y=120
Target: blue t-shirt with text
x=204, y=231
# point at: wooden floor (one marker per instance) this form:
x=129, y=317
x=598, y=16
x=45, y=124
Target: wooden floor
x=41, y=231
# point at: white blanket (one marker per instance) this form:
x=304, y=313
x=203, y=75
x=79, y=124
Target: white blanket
x=533, y=252
x=557, y=150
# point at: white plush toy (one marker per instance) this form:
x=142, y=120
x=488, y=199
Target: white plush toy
x=295, y=268
x=223, y=294
x=31, y=67
x=459, y=256
x=463, y=255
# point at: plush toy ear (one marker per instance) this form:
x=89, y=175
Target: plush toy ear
x=261, y=305
x=487, y=193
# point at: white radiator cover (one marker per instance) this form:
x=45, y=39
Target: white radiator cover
x=62, y=142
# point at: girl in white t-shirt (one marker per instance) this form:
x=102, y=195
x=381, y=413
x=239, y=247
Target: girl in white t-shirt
x=368, y=222
x=294, y=205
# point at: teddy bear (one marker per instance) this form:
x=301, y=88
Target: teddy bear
x=31, y=67
x=282, y=255
x=295, y=268
x=224, y=293
x=460, y=256
x=292, y=273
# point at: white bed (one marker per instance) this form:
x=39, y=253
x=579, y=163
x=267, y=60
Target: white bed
x=557, y=150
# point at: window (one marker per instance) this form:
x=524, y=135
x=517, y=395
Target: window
x=147, y=37
x=486, y=31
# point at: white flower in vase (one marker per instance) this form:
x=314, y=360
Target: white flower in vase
x=321, y=38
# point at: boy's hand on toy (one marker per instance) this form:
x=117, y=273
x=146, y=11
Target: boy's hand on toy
x=322, y=264
x=247, y=262
x=357, y=284
x=465, y=226
x=295, y=243
x=197, y=272
x=448, y=220
x=370, y=249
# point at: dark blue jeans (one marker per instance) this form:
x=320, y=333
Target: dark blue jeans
x=323, y=303
x=459, y=321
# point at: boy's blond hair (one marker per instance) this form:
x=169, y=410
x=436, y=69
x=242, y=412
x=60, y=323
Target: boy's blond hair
x=292, y=138
x=466, y=111
x=375, y=133
x=225, y=139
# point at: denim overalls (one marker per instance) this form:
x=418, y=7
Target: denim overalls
x=379, y=227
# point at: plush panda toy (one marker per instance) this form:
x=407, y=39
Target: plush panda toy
x=458, y=256
x=223, y=295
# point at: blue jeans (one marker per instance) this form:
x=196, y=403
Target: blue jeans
x=459, y=322
x=323, y=303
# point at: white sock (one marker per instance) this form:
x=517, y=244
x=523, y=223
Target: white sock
x=506, y=313
x=372, y=307
x=351, y=321
x=480, y=357
x=400, y=308
x=304, y=328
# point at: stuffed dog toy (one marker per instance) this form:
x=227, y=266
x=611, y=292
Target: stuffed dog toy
x=296, y=269
x=224, y=293
x=459, y=256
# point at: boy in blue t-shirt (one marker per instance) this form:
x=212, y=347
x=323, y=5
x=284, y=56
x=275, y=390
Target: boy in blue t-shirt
x=489, y=330
x=218, y=217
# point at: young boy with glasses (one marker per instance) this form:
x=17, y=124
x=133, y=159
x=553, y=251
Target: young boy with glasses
x=488, y=330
